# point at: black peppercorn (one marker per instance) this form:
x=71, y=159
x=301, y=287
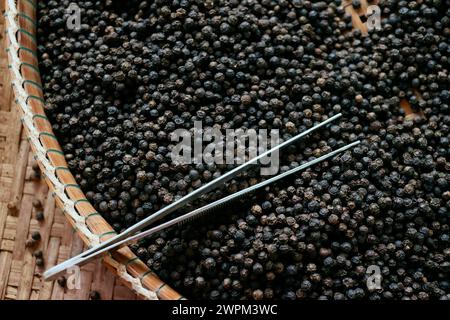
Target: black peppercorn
x=62, y=281
x=40, y=216
x=36, y=236
x=36, y=170
x=94, y=295
x=356, y=4
x=40, y=262
x=38, y=254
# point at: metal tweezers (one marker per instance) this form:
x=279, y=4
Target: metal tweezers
x=135, y=232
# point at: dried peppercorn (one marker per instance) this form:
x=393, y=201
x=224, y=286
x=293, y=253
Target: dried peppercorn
x=62, y=281
x=94, y=295
x=36, y=236
x=40, y=216
x=40, y=262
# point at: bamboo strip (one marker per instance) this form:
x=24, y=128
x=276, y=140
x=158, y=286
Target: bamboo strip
x=17, y=184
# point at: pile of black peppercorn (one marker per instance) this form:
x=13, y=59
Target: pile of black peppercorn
x=137, y=70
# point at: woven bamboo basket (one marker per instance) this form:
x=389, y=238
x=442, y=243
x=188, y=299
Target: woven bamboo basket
x=90, y=225
x=21, y=24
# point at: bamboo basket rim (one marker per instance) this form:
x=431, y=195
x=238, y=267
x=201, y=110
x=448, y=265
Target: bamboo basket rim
x=21, y=29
